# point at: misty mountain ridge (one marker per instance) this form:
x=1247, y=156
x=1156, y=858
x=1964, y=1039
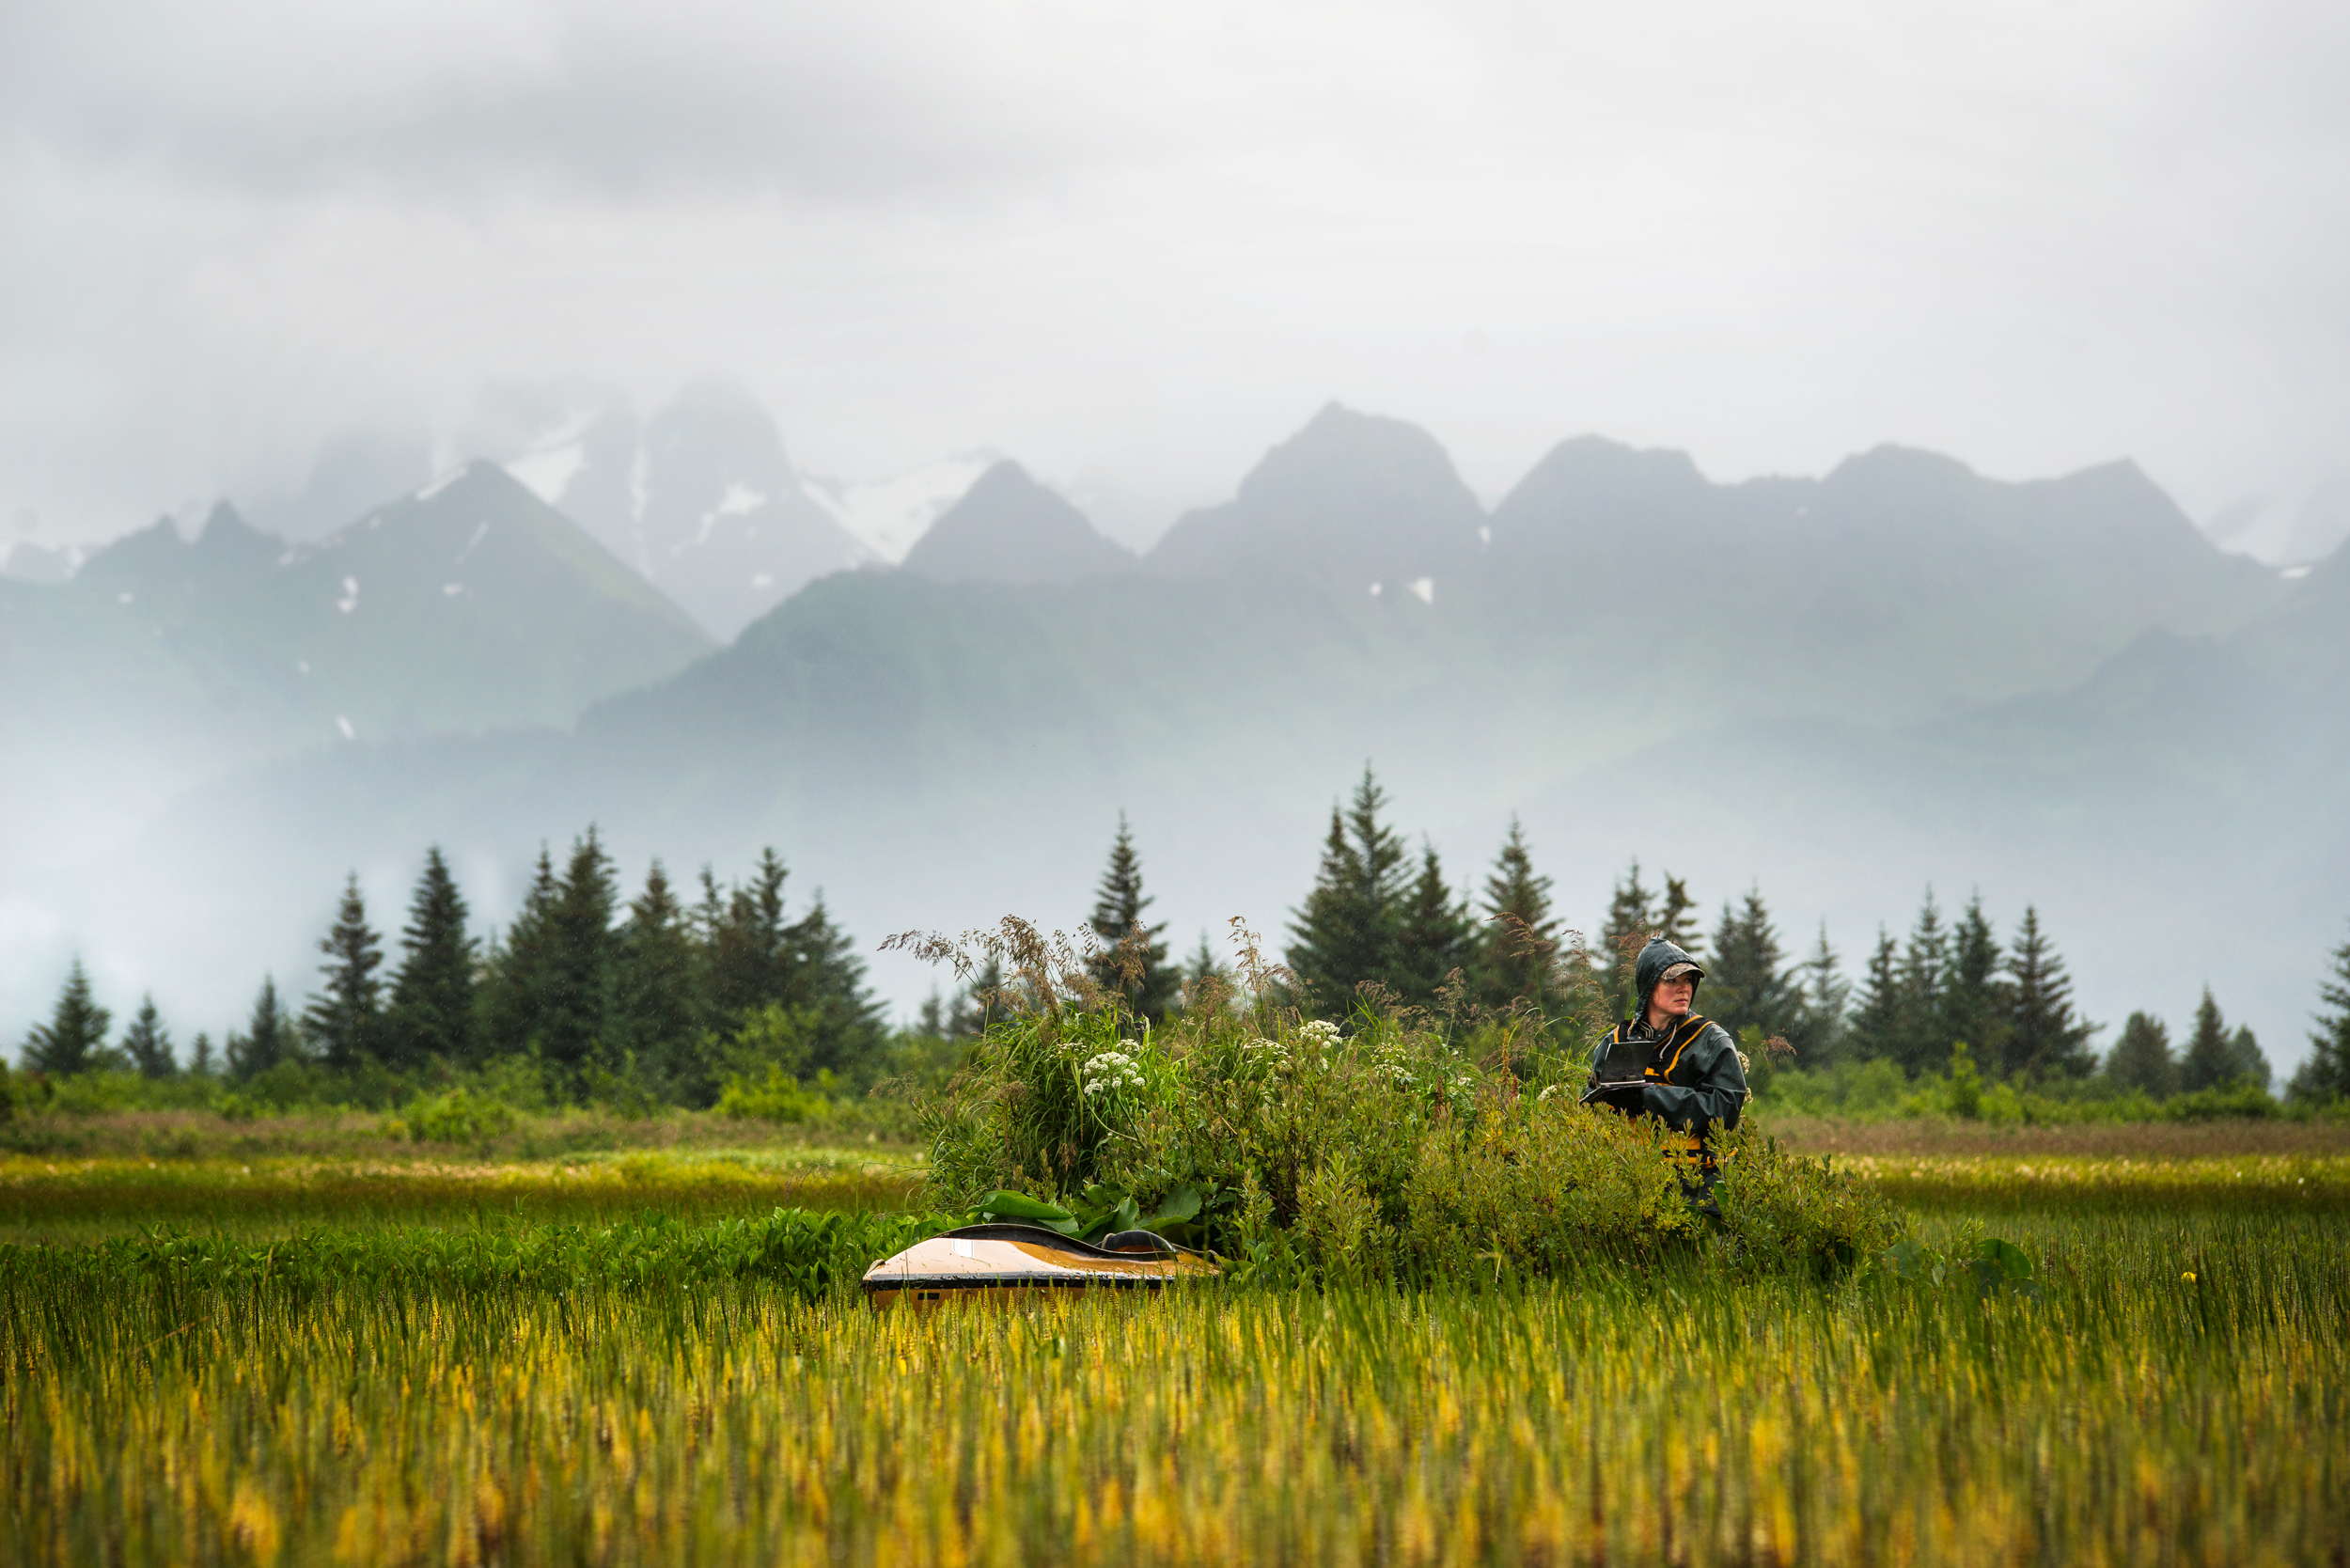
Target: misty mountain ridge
x=702, y=500
x=1008, y=529
x=1352, y=495
x=471, y=605
x=2017, y=683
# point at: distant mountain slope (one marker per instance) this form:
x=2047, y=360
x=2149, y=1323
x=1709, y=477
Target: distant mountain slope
x=470, y=606
x=1008, y=529
x=1901, y=580
x=1352, y=496
x=702, y=499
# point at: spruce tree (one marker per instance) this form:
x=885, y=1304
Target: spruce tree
x=1680, y=918
x=147, y=1043
x=829, y=977
x=75, y=1039
x=2325, y=1077
x=2142, y=1058
x=1133, y=961
x=432, y=1015
x=271, y=1036
x=1204, y=975
x=1973, y=1004
x=1437, y=940
x=1748, y=982
x=1631, y=918
x=1348, y=929
x=1518, y=946
x=201, y=1063
x=1818, y=1034
x=575, y=1003
x=2208, y=1062
x=347, y=1015
x=749, y=947
x=655, y=990
x=1876, y=1030
x=520, y=967
x=2248, y=1063
x=2046, y=1039
x=1922, y=1044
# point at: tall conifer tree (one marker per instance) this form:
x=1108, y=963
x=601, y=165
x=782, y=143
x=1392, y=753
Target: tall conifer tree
x=1518, y=940
x=655, y=990
x=2208, y=1063
x=1876, y=1030
x=1133, y=961
x=1437, y=939
x=1350, y=927
x=432, y=1015
x=1203, y=974
x=271, y=1036
x=1749, y=982
x=829, y=977
x=1633, y=917
x=347, y=1015
x=1973, y=1005
x=2047, y=1039
x=2246, y=1059
x=2325, y=1077
x=1824, y=996
x=1921, y=1033
x=147, y=1043
x=750, y=957
x=2142, y=1058
x=1680, y=920
x=75, y=1039
x=521, y=967
x=575, y=1006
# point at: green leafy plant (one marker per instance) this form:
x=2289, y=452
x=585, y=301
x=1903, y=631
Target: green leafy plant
x=456, y=1116
x=1387, y=1148
x=775, y=1098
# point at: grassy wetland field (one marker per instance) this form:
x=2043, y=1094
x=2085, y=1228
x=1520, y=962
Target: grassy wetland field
x=658, y=1355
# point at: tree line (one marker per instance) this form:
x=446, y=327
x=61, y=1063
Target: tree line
x=674, y=997
x=670, y=996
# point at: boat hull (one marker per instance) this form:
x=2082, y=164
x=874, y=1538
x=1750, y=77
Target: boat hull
x=1008, y=1263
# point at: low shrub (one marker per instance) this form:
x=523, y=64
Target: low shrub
x=1384, y=1150
x=455, y=1117
x=775, y=1098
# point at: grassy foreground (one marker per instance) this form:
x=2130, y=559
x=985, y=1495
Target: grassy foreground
x=2178, y=1390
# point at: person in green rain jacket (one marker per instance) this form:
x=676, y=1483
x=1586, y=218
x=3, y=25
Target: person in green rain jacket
x=1668, y=1061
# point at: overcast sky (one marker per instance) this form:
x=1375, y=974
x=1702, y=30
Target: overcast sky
x=1132, y=245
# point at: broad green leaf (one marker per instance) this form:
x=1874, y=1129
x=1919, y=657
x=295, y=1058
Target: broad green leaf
x=1017, y=1205
x=1179, y=1204
x=2007, y=1255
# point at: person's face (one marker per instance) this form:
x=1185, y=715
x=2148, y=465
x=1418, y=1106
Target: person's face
x=1672, y=996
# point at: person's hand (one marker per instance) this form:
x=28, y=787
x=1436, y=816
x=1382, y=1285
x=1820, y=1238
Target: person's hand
x=1629, y=1098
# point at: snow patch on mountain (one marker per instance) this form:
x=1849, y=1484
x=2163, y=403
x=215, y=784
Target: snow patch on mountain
x=888, y=516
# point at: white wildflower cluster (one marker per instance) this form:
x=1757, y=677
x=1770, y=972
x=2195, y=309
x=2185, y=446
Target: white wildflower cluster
x=1321, y=1034
x=1257, y=1052
x=1111, y=1071
x=1396, y=1066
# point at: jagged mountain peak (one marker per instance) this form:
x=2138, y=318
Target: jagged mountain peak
x=1008, y=529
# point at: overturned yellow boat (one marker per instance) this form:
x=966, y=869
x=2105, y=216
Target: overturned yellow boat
x=1000, y=1261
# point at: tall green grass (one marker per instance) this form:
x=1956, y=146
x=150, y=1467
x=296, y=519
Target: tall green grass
x=2126, y=1412
x=50, y=1199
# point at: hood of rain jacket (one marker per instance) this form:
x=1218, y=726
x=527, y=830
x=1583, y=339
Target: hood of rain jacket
x=1657, y=957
